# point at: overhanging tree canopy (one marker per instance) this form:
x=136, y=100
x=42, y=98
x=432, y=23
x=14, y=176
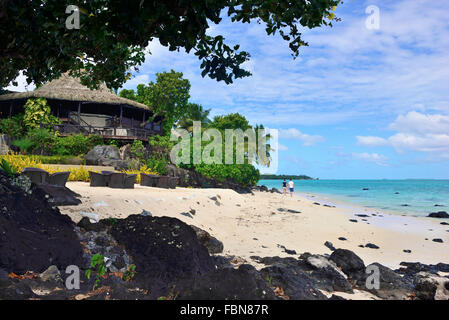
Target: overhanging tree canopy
x=113, y=35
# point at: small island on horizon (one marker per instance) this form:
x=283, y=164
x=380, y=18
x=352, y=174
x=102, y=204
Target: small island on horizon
x=285, y=176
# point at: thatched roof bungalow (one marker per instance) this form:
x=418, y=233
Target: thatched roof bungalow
x=82, y=110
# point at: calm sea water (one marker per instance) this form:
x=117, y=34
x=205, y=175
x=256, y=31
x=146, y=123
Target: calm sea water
x=413, y=197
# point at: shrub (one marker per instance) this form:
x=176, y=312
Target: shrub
x=14, y=127
x=25, y=145
x=76, y=144
x=244, y=174
x=138, y=149
x=42, y=139
x=160, y=146
x=38, y=112
x=157, y=165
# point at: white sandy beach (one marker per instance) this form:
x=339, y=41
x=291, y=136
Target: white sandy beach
x=251, y=225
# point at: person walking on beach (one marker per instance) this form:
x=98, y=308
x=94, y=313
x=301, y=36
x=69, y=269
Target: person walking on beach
x=291, y=186
x=284, y=187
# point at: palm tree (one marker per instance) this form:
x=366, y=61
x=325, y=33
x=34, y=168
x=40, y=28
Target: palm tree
x=193, y=112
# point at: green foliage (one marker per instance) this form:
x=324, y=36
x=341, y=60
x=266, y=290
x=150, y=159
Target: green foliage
x=160, y=146
x=14, y=127
x=230, y=121
x=36, y=40
x=25, y=145
x=138, y=149
x=5, y=166
x=157, y=164
x=96, y=265
x=129, y=274
x=38, y=112
x=167, y=97
x=193, y=112
x=76, y=144
x=244, y=174
x=113, y=143
x=42, y=140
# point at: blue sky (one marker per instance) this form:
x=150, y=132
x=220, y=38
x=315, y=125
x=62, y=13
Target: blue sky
x=356, y=103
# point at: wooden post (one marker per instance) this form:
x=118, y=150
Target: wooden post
x=79, y=113
x=10, y=110
x=121, y=114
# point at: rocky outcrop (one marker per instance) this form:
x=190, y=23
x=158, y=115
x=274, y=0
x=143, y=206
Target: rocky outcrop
x=429, y=286
x=392, y=286
x=439, y=214
x=349, y=262
x=212, y=244
x=59, y=196
x=244, y=283
x=5, y=142
x=103, y=155
x=33, y=235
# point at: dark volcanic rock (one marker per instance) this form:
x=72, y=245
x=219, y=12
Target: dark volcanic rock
x=59, y=196
x=438, y=240
x=212, y=244
x=34, y=236
x=329, y=245
x=326, y=274
x=349, y=262
x=297, y=285
x=286, y=250
x=244, y=283
x=342, y=239
x=392, y=286
x=163, y=249
x=275, y=190
x=311, y=271
x=293, y=211
x=371, y=246
x=353, y=220
x=444, y=223
x=439, y=214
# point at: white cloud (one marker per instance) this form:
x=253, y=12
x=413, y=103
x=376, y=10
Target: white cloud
x=371, y=141
x=419, y=123
x=307, y=140
x=416, y=132
x=376, y=158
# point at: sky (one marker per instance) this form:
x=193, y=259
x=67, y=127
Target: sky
x=359, y=102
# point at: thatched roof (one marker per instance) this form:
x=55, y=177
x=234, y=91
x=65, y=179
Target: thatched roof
x=71, y=89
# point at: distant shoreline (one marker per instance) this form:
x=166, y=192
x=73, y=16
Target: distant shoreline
x=284, y=176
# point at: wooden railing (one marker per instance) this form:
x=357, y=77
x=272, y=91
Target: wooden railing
x=112, y=132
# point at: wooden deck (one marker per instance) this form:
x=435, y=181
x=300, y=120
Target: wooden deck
x=116, y=133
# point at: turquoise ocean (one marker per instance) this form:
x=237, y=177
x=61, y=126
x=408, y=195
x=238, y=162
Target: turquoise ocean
x=410, y=197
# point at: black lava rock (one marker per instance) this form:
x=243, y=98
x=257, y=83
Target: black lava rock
x=439, y=214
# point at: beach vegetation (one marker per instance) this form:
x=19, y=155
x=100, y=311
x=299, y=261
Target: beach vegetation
x=129, y=274
x=14, y=127
x=167, y=97
x=37, y=113
x=7, y=168
x=98, y=267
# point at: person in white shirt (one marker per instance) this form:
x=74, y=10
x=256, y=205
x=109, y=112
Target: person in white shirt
x=291, y=186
